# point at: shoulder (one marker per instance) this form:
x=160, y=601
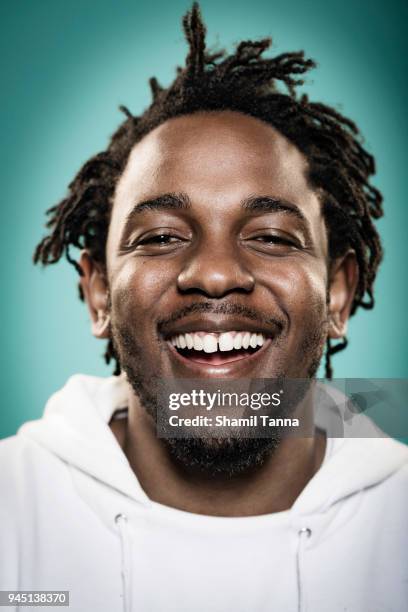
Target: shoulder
x=26, y=468
x=11, y=452
x=16, y=450
x=385, y=469
x=17, y=454
x=398, y=480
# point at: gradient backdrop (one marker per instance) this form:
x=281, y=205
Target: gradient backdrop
x=66, y=68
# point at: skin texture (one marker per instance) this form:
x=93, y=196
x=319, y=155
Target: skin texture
x=228, y=262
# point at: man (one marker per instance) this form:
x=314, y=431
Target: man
x=226, y=234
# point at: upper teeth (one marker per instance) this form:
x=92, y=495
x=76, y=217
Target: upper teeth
x=210, y=343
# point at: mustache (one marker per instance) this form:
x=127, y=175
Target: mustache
x=227, y=308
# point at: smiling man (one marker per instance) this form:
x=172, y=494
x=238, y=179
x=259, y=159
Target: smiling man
x=215, y=240
x=226, y=234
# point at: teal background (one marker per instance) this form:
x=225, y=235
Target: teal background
x=66, y=66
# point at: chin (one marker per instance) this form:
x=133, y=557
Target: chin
x=223, y=457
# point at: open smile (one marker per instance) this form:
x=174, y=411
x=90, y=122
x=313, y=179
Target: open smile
x=218, y=348
x=217, y=364
x=237, y=362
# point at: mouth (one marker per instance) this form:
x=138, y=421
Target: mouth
x=217, y=348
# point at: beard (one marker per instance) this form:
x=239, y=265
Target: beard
x=226, y=456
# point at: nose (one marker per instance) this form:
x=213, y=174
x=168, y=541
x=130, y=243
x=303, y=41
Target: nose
x=215, y=272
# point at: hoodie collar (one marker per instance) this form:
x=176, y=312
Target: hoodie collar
x=75, y=429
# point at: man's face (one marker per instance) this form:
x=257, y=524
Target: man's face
x=216, y=238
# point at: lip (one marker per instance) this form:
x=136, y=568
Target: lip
x=240, y=368
x=218, y=324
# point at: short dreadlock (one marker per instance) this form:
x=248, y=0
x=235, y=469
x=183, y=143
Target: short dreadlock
x=246, y=82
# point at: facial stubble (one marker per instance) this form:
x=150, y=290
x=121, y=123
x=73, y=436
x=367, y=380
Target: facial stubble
x=227, y=456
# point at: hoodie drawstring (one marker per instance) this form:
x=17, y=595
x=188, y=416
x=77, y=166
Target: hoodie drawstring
x=121, y=521
x=303, y=534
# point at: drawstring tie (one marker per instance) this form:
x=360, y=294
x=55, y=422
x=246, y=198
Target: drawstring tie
x=121, y=521
x=303, y=534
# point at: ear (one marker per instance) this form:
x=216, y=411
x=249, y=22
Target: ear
x=95, y=289
x=343, y=284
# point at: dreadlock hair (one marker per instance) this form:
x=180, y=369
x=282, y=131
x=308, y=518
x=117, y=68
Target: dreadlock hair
x=250, y=83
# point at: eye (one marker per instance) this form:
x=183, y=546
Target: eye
x=275, y=244
x=154, y=242
x=272, y=239
x=161, y=239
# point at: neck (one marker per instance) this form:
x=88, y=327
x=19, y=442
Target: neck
x=272, y=487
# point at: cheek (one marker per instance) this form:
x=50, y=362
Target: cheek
x=300, y=289
x=140, y=286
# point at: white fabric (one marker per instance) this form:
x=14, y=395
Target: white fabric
x=74, y=517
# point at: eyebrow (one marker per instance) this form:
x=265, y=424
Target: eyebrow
x=167, y=201
x=181, y=201
x=270, y=204
x=252, y=204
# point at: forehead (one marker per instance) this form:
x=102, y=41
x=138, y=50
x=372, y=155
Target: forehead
x=216, y=158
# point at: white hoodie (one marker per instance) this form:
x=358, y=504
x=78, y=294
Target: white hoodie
x=74, y=517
